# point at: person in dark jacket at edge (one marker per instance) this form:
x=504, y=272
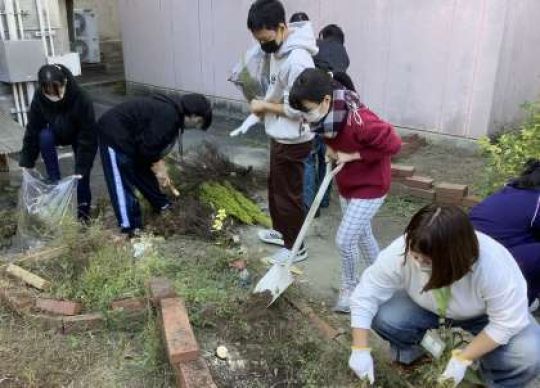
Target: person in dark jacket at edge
x=61, y=114
x=134, y=137
x=332, y=58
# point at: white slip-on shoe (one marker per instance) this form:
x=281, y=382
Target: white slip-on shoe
x=343, y=304
x=271, y=236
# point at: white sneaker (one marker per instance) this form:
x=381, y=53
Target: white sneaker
x=271, y=236
x=343, y=304
x=283, y=255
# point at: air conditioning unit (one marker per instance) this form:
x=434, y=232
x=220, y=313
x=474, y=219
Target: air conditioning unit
x=86, y=43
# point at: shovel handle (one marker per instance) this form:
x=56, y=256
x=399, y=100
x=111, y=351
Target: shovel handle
x=330, y=174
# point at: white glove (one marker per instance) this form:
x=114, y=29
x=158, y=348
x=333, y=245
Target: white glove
x=78, y=176
x=249, y=122
x=361, y=363
x=456, y=368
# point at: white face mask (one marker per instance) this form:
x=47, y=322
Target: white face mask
x=54, y=98
x=314, y=115
x=424, y=268
x=193, y=122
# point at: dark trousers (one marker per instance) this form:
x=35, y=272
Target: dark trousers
x=123, y=176
x=47, y=146
x=314, y=171
x=285, y=188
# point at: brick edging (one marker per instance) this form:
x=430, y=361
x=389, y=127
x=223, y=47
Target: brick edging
x=404, y=181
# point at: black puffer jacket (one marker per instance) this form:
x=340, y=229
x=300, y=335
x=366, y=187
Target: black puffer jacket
x=332, y=56
x=143, y=128
x=72, y=120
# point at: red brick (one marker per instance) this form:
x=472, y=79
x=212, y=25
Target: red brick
x=471, y=201
x=179, y=338
x=130, y=304
x=193, y=374
x=18, y=300
x=422, y=193
x=161, y=288
x=451, y=190
x=58, y=307
x=82, y=323
x=419, y=182
x=401, y=171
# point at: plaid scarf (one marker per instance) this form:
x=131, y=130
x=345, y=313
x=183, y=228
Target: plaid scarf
x=345, y=105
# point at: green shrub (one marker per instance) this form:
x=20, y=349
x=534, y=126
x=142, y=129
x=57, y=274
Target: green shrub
x=506, y=156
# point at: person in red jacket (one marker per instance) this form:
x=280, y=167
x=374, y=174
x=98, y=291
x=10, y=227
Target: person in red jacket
x=356, y=137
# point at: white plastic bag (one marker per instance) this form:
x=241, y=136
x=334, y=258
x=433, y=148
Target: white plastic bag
x=251, y=75
x=43, y=207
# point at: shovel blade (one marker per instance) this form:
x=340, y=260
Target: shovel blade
x=276, y=280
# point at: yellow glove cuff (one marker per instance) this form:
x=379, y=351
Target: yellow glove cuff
x=361, y=348
x=456, y=353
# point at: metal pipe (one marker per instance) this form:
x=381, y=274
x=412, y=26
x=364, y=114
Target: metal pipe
x=2, y=31
x=23, y=104
x=17, y=105
x=41, y=23
x=48, y=16
x=19, y=18
x=11, y=23
x=30, y=91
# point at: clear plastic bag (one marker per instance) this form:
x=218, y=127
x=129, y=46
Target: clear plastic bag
x=43, y=208
x=251, y=75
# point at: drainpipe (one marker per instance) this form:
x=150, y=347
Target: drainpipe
x=12, y=31
x=19, y=19
x=48, y=16
x=41, y=23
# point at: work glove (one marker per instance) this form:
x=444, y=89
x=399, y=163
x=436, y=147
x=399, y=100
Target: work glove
x=160, y=171
x=78, y=176
x=361, y=363
x=249, y=122
x=456, y=368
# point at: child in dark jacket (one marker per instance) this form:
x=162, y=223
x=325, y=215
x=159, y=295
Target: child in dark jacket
x=134, y=137
x=61, y=114
x=356, y=137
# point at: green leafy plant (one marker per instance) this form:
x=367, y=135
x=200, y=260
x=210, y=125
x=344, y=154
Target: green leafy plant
x=506, y=156
x=234, y=203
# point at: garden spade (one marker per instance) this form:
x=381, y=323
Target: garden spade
x=279, y=277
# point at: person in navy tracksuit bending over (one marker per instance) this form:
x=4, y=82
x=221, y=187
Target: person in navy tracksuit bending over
x=61, y=114
x=134, y=137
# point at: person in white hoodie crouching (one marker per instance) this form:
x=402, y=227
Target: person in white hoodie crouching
x=291, y=49
x=444, y=272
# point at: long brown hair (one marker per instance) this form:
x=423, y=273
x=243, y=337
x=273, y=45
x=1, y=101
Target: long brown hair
x=444, y=234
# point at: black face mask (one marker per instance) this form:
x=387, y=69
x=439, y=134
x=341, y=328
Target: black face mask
x=270, y=47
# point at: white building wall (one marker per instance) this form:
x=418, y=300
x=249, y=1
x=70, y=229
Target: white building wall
x=432, y=65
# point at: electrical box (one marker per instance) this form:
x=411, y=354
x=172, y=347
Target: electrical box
x=20, y=60
x=86, y=35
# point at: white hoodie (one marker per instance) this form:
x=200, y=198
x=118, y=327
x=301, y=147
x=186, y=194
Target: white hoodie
x=495, y=287
x=294, y=56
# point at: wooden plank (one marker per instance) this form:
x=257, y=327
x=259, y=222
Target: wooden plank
x=27, y=277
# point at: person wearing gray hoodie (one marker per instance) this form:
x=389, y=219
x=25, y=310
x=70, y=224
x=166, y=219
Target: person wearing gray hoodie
x=291, y=49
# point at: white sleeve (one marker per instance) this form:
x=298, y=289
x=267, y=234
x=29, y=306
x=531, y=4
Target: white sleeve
x=505, y=292
x=378, y=284
x=298, y=61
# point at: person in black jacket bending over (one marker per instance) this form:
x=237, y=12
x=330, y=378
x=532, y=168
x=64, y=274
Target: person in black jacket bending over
x=61, y=114
x=134, y=137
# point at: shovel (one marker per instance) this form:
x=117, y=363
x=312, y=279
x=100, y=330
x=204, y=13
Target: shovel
x=279, y=277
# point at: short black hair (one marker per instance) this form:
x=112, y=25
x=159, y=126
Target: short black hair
x=51, y=78
x=312, y=85
x=333, y=31
x=265, y=14
x=198, y=105
x=530, y=176
x=299, y=17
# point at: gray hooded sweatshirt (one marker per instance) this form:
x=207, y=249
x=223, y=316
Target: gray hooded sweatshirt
x=294, y=56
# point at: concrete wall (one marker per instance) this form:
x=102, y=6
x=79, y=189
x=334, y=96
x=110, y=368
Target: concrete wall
x=435, y=65
x=518, y=77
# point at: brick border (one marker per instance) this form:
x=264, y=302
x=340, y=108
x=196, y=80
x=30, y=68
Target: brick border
x=405, y=182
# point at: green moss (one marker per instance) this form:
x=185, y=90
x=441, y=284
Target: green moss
x=224, y=196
